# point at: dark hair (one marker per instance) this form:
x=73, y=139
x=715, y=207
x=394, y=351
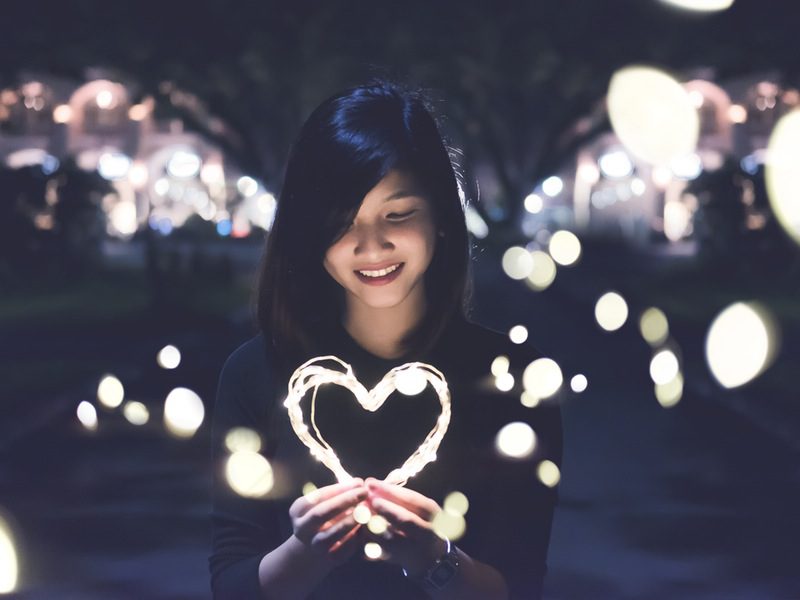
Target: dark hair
x=347, y=145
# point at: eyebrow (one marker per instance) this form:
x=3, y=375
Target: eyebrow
x=403, y=194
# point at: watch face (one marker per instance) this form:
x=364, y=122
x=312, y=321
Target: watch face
x=443, y=573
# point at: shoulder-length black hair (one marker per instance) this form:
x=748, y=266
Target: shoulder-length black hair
x=347, y=145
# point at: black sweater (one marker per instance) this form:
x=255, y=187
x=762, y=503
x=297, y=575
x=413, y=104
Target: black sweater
x=510, y=511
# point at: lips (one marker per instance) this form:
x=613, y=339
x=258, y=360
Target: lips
x=380, y=276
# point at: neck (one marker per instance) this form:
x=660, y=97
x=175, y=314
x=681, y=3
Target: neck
x=381, y=330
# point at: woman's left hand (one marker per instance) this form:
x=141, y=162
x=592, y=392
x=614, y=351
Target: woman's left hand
x=410, y=540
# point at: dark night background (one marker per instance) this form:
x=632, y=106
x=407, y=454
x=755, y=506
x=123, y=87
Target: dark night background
x=699, y=500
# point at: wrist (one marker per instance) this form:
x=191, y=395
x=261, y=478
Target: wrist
x=438, y=573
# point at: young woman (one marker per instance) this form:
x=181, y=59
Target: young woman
x=367, y=260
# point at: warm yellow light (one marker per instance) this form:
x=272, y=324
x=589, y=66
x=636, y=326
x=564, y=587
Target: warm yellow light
x=740, y=343
x=701, y=5
x=9, y=565
x=518, y=334
x=504, y=382
x=517, y=262
x=411, y=382
x=542, y=378
x=110, y=392
x=122, y=218
x=183, y=412
x=528, y=400
x=578, y=383
x=249, y=474
x=456, y=503
x=309, y=488
x=500, y=365
x=362, y=514
x=87, y=415
x=138, y=112
x=168, y=357
x=565, y=248
x=782, y=172
x=543, y=271
x=669, y=394
x=611, y=311
x=62, y=113
x=654, y=326
x=377, y=525
x=664, y=367
x=548, y=473
x=104, y=99
x=244, y=438
x=449, y=525
x=373, y=551
x=737, y=113
x=136, y=413
x=652, y=114
x=516, y=440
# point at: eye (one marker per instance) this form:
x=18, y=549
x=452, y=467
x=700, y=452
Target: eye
x=400, y=216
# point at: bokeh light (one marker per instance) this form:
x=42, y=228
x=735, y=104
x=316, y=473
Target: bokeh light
x=411, y=382
x=183, y=412
x=87, y=415
x=578, y=383
x=565, y=248
x=534, y=203
x=377, y=524
x=309, y=488
x=9, y=563
x=552, y=186
x=517, y=262
x=740, y=344
x=500, y=365
x=456, y=502
x=449, y=524
x=243, y=438
x=652, y=114
x=669, y=394
x=110, y=391
x=543, y=271
x=611, y=311
x=249, y=474
x=548, y=473
x=62, y=113
x=700, y=5
x=122, y=218
x=664, y=367
x=518, y=334
x=528, y=400
x=136, y=413
x=504, y=382
x=542, y=378
x=169, y=357
x=654, y=326
x=362, y=514
x=782, y=173
x=516, y=440
x=373, y=550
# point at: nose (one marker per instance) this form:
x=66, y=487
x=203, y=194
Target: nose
x=371, y=240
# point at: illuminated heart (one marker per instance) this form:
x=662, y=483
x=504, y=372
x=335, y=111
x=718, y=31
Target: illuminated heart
x=408, y=379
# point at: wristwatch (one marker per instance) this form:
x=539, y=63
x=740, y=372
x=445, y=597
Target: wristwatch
x=443, y=570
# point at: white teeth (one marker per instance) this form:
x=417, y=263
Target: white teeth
x=380, y=273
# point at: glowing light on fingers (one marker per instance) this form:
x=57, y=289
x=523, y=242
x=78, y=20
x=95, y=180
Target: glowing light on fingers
x=373, y=551
x=654, y=326
x=87, y=415
x=664, y=367
x=543, y=272
x=309, y=489
x=449, y=525
x=243, y=438
x=312, y=374
x=516, y=440
x=611, y=311
x=456, y=502
x=740, y=344
x=362, y=514
x=500, y=365
x=548, y=473
x=565, y=248
x=183, y=412
x=9, y=565
x=136, y=413
x=782, y=173
x=652, y=114
x=249, y=474
x=504, y=382
x=578, y=383
x=377, y=525
x=517, y=262
x=669, y=394
x=169, y=357
x=542, y=378
x=110, y=391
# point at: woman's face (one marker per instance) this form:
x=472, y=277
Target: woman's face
x=381, y=259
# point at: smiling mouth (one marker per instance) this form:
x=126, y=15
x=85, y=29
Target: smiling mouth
x=380, y=276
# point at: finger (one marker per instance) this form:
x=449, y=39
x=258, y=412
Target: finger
x=346, y=544
x=304, y=503
x=409, y=499
x=314, y=518
x=328, y=537
x=399, y=517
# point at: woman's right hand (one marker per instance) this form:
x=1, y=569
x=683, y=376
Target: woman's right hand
x=323, y=519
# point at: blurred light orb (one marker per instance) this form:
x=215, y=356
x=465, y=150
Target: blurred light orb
x=449, y=524
x=373, y=550
x=652, y=114
x=611, y=311
x=638, y=186
x=688, y=166
x=737, y=113
x=701, y=5
x=247, y=186
x=543, y=271
x=243, y=438
x=615, y=164
x=377, y=525
x=122, y=217
x=516, y=440
x=782, y=172
x=87, y=415
x=183, y=412
x=518, y=334
x=104, y=99
x=62, y=114
x=504, y=382
x=740, y=343
x=113, y=165
x=517, y=262
x=456, y=502
x=654, y=326
x=309, y=488
x=669, y=394
x=552, y=186
x=565, y=248
x=500, y=365
x=588, y=172
x=528, y=400
x=548, y=473
x=362, y=514
x=578, y=383
x=169, y=357
x=184, y=164
x=136, y=413
x=110, y=392
x=161, y=186
x=138, y=112
x=534, y=203
x=542, y=378
x=249, y=474
x=411, y=382
x=9, y=564
x=664, y=367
